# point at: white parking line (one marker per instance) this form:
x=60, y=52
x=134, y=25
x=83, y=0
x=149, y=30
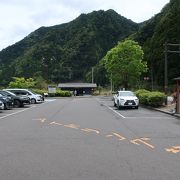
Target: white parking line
x=16, y=112
x=111, y=109
x=49, y=100
x=145, y=117
x=115, y=112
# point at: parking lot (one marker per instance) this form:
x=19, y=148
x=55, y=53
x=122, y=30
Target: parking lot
x=142, y=112
x=87, y=138
x=13, y=110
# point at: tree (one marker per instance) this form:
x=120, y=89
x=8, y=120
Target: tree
x=21, y=82
x=124, y=63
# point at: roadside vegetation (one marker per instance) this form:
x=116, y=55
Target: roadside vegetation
x=30, y=83
x=124, y=64
x=151, y=98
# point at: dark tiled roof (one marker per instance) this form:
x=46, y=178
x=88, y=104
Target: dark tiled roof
x=77, y=85
x=178, y=78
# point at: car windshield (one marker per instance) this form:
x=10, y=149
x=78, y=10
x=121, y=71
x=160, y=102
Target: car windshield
x=128, y=93
x=32, y=91
x=8, y=92
x=3, y=93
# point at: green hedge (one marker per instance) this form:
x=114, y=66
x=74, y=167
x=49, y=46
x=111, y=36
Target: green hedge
x=40, y=91
x=154, y=98
x=59, y=93
x=140, y=91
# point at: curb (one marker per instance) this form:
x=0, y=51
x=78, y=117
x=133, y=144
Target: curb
x=167, y=112
x=163, y=111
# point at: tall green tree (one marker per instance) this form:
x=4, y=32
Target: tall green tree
x=21, y=82
x=124, y=63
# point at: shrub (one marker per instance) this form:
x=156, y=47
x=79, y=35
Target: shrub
x=140, y=91
x=143, y=98
x=40, y=91
x=153, y=99
x=21, y=82
x=156, y=99
x=59, y=93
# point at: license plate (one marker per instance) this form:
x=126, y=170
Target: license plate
x=129, y=103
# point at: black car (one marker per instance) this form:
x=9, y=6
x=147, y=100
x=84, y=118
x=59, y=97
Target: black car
x=7, y=101
x=18, y=101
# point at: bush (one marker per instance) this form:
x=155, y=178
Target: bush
x=149, y=98
x=156, y=99
x=140, y=91
x=59, y=93
x=40, y=91
x=143, y=98
x=21, y=82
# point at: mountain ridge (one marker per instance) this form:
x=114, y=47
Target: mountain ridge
x=65, y=52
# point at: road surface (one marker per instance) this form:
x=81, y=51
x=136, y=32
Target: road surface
x=88, y=139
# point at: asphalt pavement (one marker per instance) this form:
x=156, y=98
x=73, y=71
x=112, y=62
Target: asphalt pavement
x=88, y=139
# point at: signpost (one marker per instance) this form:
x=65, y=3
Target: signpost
x=51, y=89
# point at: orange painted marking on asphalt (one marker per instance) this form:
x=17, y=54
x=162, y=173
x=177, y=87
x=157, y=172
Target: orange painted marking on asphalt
x=142, y=141
x=55, y=123
x=109, y=135
x=174, y=149
x=73, y=126
x=120, y=137
x=90, y=130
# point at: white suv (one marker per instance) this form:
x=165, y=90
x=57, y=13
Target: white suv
x=126, y=99
x=35, y=98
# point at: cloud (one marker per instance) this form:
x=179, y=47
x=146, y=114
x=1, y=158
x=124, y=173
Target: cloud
x=18, y=18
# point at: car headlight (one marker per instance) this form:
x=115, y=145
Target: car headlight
x=121, y=99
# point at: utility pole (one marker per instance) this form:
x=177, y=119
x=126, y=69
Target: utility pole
x=92, y=75
x=165, y=69
x=152, y=79
x=166, y=51
x=111, y=83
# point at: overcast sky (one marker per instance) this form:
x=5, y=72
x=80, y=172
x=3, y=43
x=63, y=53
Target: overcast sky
x=18, y=18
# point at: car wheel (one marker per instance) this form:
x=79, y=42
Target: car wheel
x=17, y=103
x=136, y=107
x=5, y=106
x=33, y=101
x=118, y=105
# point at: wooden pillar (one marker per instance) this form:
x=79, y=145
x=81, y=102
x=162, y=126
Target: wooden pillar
x=178, y=97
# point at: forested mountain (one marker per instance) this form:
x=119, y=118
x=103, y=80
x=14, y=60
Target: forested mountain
x=65, y=52
x=164, y=27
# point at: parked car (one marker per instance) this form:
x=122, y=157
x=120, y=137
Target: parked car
x=34, y=98
x=126, y=99
x=7, y=101
x=18, y=101
x=1, y=105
